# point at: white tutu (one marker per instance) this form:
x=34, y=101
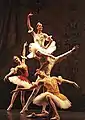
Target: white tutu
x=51, y=48
x=41, y=99
x=35, y=46
x=16, y=80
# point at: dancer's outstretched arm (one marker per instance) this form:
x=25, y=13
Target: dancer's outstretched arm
x=71, y=82
x=60, y=79
x=65, y=55
x=12, y=71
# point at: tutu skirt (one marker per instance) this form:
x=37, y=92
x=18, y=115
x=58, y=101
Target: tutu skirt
x=20, y=81
x=41, y=99
x=35, y=46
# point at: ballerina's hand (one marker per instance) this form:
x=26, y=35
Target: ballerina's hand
x=37, y=72
x=75, y=47
x=76, y=85
x=30, y=14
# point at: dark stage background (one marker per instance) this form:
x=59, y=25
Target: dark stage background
x=65, y=20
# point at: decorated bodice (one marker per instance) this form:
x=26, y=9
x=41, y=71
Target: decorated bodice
x=51, y=85
x=40, y=39
x=23, y=71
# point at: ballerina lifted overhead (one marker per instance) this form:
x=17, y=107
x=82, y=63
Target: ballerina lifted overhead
x=40, y=38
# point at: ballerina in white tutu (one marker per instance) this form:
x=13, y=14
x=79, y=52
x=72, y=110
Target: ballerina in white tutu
x=40, y=38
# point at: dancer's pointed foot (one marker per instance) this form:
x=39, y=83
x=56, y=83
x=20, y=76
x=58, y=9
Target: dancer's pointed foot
x=55, y=118
x=33, y=115
x=9, y=108
x=23, y=110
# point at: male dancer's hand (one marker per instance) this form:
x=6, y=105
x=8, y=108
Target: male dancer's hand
x=75, y=47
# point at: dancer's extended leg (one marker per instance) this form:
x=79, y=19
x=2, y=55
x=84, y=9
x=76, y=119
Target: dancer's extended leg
x=30, y=99
x=22, y=98
x=12, y=101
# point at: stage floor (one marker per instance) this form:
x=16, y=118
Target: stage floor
x=15, y=115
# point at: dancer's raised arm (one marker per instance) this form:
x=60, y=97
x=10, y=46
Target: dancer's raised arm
x=30, y=28
x=24, y=52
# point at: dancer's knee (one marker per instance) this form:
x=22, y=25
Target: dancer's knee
x=48, y=97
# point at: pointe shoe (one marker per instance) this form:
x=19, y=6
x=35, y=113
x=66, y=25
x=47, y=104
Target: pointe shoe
x=9, y=108
x=55, y=118
x=23, y=110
